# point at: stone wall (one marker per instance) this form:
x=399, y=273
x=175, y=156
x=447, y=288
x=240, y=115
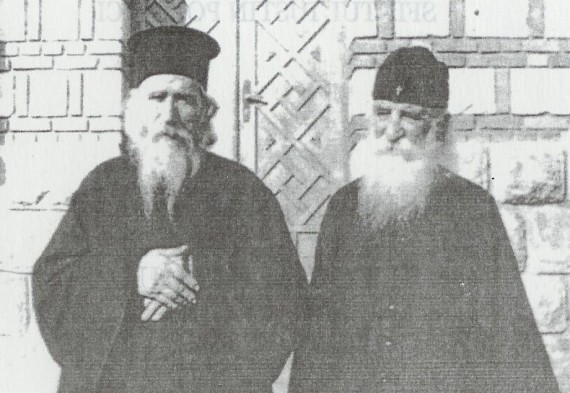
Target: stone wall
x=60, y=96
x=510, y=100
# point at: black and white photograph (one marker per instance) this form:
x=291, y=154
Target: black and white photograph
x=284, y=196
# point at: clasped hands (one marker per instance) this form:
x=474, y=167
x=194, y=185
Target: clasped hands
x=165, y=279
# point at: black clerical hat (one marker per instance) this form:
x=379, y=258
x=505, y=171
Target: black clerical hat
x=170, y=50
x=414, y=76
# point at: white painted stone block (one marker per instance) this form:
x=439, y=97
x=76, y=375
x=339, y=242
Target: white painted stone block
x=535, y=91
x=29, y=368
x=528, y=173
x=28, y=124
x=14, y=304
x=557, y=347
x=420, y=18
x=86, y=19
x=76, y=62
x=111, y=62
x=472, y=91
x=6, y=95
x=547, y=296
x=70, y=124
x=111, y=19
x=75, y=93
x=32, y=63
x=556, y=18
x=361, y=18
x=11, y=49
x=12, y=20
x=48, y=94
x=33, y=23
x=5, y=64
x=102, y=93
x=22, y=92
x=43, y=170
x=492, y=18
x=470, y=160
x=24, y=236
x=360, y=89
x=515, y=225
x=537, y=60
x=74, y=48
x=105, y=48
x=105, y=124
x=30, y=48
x=549, y=240
x=60, y=19
x=357, y=162
x=547, y=122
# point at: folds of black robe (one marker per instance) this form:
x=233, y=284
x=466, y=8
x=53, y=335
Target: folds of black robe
x=434, y=305
x=251, y=303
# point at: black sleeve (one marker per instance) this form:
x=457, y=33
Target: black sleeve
x=79, y=289
x=52, y=284
x=315, y=365
x=509, y=354
x=271, y=294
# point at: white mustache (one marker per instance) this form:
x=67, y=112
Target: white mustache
x=181, y=136
x=401, y=146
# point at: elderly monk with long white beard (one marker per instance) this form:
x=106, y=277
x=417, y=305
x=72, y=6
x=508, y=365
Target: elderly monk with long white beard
x=398, y=171
x=165, y=143
x=415, y=286
x=173, y=270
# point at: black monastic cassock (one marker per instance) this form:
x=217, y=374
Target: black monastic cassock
x=237, y=336
x=434, y=305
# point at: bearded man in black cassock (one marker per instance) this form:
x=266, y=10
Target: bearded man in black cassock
x=173, y=269
x=415, y=285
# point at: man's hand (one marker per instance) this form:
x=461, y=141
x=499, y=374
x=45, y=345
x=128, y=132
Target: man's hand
x=153, y=310
x=162, y=277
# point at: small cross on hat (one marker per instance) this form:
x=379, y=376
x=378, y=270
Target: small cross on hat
x=413, y=75
x=399, y=90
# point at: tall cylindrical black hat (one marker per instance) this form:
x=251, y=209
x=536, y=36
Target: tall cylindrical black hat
x=170, y=50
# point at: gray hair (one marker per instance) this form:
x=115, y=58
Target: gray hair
x=206, y=137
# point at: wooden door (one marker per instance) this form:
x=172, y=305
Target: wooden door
x=290, y=66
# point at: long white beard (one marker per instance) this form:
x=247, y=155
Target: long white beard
x=162, y=169
x=163, y=161
x=393, y=189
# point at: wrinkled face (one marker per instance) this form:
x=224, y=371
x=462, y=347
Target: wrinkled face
x=406, y=130
x=398, y=161
x=164, y=122
x=171, y=107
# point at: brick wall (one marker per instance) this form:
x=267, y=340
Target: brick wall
x=60, y=96
x=510, y=100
